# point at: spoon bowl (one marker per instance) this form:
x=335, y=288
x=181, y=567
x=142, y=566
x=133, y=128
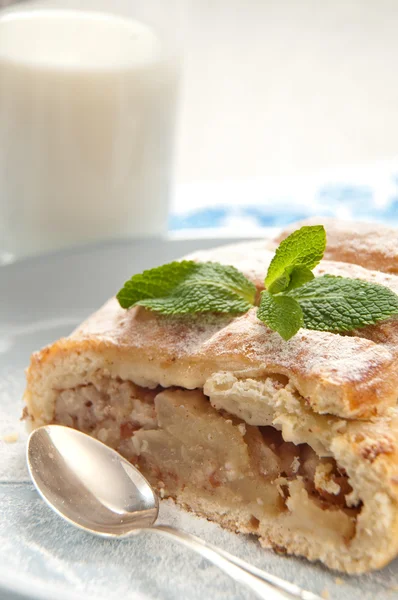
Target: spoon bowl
x=88, y=483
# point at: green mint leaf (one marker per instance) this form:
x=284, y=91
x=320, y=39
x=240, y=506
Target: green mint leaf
x=298, y=276
x=304, y=247
x=292, y=277
x=189, y=287
x=338, y=304
x=281, y=313
x=281, y=283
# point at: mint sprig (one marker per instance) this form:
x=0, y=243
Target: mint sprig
x=326, y=303
x=189, y=287
x=293, y=297
x=304, y=249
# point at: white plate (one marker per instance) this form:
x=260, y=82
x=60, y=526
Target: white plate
x=43, y=557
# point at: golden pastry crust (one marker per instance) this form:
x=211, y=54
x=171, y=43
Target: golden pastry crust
x=346, y=376
x=370, y=245
x=353, y=376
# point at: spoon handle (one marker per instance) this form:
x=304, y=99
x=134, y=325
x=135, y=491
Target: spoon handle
x=263, y=584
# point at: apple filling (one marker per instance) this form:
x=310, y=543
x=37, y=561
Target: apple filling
x=213, y=461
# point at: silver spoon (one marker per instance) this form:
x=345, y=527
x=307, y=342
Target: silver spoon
x=93, y=487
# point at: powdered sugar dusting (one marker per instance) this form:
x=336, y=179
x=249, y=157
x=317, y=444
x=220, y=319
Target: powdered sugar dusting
x=319, y=353
x=177, y=336
x=12, y=458
x=348, y=358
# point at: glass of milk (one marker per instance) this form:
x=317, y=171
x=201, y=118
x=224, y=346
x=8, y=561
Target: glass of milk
x=87, y=120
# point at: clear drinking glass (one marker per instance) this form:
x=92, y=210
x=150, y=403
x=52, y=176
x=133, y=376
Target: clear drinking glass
x=87, y=119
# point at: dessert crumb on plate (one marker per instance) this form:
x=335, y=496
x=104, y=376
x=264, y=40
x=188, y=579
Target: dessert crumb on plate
x=11, y=438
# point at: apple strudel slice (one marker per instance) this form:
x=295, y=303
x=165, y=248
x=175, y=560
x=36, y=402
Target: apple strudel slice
x=293, y=441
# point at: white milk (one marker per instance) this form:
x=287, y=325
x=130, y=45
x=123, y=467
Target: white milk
x=87, y=107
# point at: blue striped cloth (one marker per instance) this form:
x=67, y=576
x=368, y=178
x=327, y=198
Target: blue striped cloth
x=245, y=208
